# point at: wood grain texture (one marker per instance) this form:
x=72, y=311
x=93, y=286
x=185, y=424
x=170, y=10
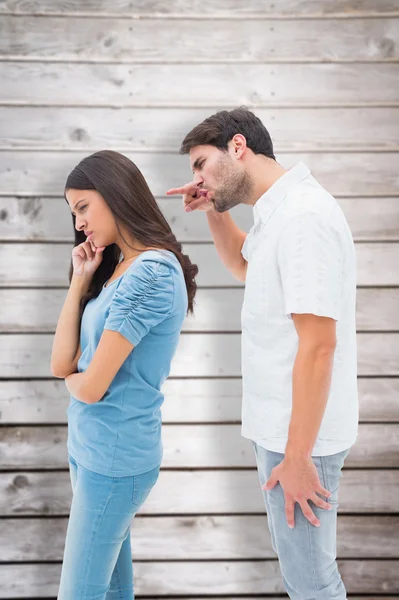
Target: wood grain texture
x=188, y=446
x=48, y=219
x=134, y=129
x=353, y=174
x=216, y=310
x=197, y=355
x=233, y=9
x=136, y=77
x=233, y=41
x=38, y=402
x=45, y=265
x=187, y=578
x=197, y=538
x=71, y=84
x=197, y=492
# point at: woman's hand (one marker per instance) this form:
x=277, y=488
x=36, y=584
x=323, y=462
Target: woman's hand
x=86, y=258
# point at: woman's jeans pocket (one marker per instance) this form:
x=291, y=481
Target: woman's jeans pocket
x=142, y=486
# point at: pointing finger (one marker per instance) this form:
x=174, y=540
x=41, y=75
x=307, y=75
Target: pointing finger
x=174, y=191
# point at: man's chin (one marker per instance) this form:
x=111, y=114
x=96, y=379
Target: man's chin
x=221, y=208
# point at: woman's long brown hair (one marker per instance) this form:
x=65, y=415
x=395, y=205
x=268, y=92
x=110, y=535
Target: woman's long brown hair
x=124, y=189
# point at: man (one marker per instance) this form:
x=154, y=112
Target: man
x=299, y=364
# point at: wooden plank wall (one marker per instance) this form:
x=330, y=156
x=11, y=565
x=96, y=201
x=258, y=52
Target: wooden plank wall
x=135, y=76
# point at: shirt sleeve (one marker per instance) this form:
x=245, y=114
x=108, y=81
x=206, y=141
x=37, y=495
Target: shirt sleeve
x=310, y=260
x=143, y=299
x=244, y=248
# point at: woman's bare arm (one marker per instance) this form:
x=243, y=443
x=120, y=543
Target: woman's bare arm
x=66, y=348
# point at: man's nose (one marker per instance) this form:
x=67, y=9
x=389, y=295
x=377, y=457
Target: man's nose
x=197, y=179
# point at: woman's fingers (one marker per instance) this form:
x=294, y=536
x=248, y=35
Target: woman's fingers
x=80, y=252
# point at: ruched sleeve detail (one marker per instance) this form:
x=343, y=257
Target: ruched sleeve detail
x=143, y=299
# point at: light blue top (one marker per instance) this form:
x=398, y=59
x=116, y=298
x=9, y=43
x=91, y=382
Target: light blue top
x=121, y=434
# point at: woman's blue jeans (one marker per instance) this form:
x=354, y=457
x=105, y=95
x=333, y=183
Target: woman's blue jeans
x=97, y=561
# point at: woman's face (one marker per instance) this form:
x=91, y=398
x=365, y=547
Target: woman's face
x=93, y=216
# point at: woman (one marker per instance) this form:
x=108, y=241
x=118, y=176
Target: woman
x=115, y=339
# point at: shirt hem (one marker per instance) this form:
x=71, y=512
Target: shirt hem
x=115, y=473
x=320, y=449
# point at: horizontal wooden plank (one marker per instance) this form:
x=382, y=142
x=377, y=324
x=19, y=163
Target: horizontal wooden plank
x=188, y=446
x=236, y=537
x=351, y=174
x=48, y=219
x=32, y=402
x=292, y=129
x=123, y=40
x=45, y=265
x=219, y=310
x=233, y=9
x=197, y=538
x=75, y=84
x=187, y=578
x=194, y=492
x=197, y=355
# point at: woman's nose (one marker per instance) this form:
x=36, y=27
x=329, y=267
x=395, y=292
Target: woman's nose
x=79, y=225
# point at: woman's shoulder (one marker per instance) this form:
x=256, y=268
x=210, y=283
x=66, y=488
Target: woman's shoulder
x=151, y=269
x=160, y=260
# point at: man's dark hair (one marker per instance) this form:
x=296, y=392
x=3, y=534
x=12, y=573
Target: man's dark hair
x=221, y=127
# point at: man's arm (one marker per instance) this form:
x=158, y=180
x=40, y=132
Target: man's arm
x=229, y=240
x=227, y=237
x=311, y=381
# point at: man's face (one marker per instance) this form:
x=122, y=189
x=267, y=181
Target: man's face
x=221, y=175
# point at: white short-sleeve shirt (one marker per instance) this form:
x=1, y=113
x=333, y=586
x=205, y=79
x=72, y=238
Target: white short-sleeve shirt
x=301, y=259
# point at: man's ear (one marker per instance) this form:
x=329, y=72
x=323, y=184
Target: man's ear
x=239, y=145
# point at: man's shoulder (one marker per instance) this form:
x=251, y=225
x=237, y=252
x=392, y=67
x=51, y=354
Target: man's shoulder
x=309, y=197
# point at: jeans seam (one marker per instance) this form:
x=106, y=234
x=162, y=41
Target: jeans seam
x=120, y=592
x=324, y=472
x=308, y=526
x=96, y=531
x=134, y=488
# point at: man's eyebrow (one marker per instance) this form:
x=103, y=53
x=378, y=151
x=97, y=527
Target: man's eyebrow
x=197, y=162
x=78, y=202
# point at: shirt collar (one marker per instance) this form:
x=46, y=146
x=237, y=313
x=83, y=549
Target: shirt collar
x=268, y=202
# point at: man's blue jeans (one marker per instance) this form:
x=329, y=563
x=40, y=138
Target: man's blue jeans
x=307, y=554
x=98, y=558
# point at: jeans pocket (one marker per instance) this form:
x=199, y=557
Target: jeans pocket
x=330, y=471
x=142, y=485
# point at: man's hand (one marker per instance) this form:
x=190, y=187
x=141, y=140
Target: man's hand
x=300, y=482
x=193, y=197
